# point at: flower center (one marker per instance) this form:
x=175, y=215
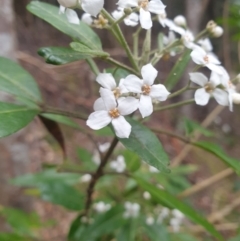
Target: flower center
x=146, y=89
x=116, y=93
x=206, y=59
x=143, y=4
x=209, y=88
x=114, y=113
x=100, y=22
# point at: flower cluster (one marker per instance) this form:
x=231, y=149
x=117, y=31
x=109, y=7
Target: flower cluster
x=131, y=94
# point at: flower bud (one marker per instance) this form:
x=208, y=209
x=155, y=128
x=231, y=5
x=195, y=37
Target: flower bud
x=211, y=25
x=180, y=21
x=127, y=11
x=217, y=32
x=68, y=3
x=236, y=98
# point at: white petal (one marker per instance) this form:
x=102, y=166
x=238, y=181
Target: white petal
x=215, y=78
x=61, y=9
x=108, y=98
x=213, y=59
x=127, y=3
x=156, y=6
x=118, y=13
x=92, y=7
x=98, y=119
x=72, y=16
x=133, y=83
x=87, y=18
x=106, y=81
x=68, y=3
x=128, y=105
x=145, y=105
x=122, y=127
x=159, y=92
x=132, y=20
x=198, y=78
x=221, y=97
x=122, y=87
x=99, y=105
x=215, y=68
x=201, y=97
x=145, y=19
x=149, y=74
x=198, y=55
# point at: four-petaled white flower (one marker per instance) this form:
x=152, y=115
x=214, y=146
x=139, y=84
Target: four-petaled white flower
x=146, y=6
x=146, y=89
x=201, y=57
x=113, y=113
x=209, y=88
x=101, y=207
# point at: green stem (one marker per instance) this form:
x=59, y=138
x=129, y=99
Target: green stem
x=56, y=111
x=121, y=65
x=93, y=66
x=122, y=39
x=168, y=107
x=147, y=47
x=159, y=55
x=135, y=42
x=180, y=91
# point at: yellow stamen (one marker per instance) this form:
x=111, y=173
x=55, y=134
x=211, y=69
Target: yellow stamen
x=114, y=113
x=146, y=89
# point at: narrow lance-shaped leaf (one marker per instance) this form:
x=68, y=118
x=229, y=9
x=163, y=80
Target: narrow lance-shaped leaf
x=88, y=51
x=171, y=201
x=218, y=152
x=17, y=81
x=144, y=142
x=82, y=32
x=14, y=117
x=178, y=70
x=61, y=55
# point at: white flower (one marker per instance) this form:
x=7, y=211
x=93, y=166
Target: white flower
x=153, y=169
x=92, y=7
x=209, y=89
x=113, y=113
x=87, y=18
x=177, y=219
x=150, y=220
x=130, y=20
x=146, y=6
x=217, y=32
x=147, y=195
x=163, y=214
x=200, y=57
x=206, y=44
x=119, y=164
x=146, y=88
x=167, y=40
x=86, y=178
x=68, y=3
x=101, y=207
x=163, y=20
x=102, y=148
x=131, y=210
x=180, y=21
x=177, y=214
x=71, y=15
x=236, y=98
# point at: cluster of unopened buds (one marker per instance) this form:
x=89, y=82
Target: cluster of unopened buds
x=133, y=93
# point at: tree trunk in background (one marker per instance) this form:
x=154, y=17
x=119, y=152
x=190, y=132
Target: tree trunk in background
x=14, y=157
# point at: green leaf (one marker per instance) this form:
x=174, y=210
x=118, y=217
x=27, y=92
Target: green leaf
x=106, y=131
x=13, y=236
x=132, y=160
x=128, y=231
x=21, y=222
x=178, y=70
x=81, y=33
x=49, y=175
x=60, y=55
x=62, y=120
x=156, y=232
x=144, y=142
x=183, y=237
x=87, y=50
x=218, y=152
x=62, y=194
x=191, y=126
x=17, y=81
x=118, y=73
x=171, y=201
x=14, y=117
